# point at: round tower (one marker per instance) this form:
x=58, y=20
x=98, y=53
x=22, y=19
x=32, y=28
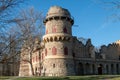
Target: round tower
x=58, y=58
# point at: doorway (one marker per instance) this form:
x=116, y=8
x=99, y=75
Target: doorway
x=100, y=69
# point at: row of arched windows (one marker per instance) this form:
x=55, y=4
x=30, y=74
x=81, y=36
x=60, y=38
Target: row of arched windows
x=54, y=30
x=54, y=51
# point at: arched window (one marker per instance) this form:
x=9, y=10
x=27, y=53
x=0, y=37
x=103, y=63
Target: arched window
x=54, y=30
x=46, y=52
x=54, y=51
x=66, y=51
x=65, y=30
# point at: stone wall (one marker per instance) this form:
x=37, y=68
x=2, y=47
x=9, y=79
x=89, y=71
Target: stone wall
x=58, y=67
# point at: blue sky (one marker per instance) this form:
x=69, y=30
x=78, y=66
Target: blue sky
x=93, y=19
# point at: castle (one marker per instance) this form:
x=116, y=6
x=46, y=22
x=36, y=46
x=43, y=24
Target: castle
x=65, y=55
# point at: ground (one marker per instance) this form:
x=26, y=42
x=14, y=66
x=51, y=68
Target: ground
x=90, y=77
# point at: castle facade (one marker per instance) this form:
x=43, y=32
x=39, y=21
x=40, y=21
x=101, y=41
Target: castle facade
x=65, y=55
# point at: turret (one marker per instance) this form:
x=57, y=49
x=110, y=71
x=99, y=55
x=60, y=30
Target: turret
x=58, y=43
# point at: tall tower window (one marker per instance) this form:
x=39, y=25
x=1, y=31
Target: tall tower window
x=54, y=30
x=46, y=52
x=65, y=30
x=54, y=51
x=66, y=51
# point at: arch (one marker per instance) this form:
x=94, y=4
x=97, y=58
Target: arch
x=100, y=67
x=63, y=17
x=63, y=37
x=112, y=66
x=107, y=69
x=65, y=30
x=93, y=68
x=56, y=17
x=51, y=38
x=80, y=69
x=65, y=51
x=54, y=51
x=60, y=38
x=66, y=38
x=55, y=38
x=47, y=39
x=87, y=68
x=69, y=39
x=117, y=68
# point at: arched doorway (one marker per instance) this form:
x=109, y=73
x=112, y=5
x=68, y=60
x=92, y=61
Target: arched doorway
x=87, y=68
x=93, y=69
x=80, y=69
x=117, y=68
x=100, y=69
x=107, y=69
x=112, y=68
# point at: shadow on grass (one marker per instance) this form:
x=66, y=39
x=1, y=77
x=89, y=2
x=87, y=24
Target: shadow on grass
x=91, y=77
x=4, y=77
x=96, y=77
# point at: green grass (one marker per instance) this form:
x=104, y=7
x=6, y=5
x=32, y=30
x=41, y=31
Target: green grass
x=5, y=77
x=91, y=77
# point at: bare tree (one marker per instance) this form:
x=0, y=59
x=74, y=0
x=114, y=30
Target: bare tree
x=114, y=6
x=30, y=27
x=27, y=26
x=7, y=9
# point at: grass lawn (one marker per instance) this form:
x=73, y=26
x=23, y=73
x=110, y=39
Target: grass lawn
x=91, y=77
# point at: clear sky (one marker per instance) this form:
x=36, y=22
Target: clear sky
x=92, y=19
